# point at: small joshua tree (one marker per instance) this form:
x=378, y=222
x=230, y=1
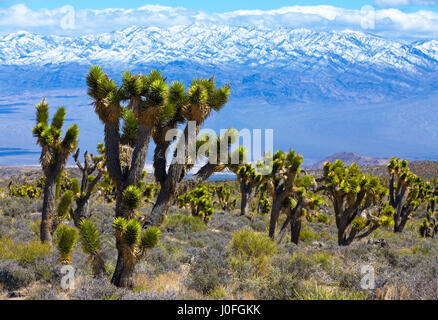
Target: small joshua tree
x=223, y=195
x=264, y=198
x=90, y=243
x=285, y=170
x=132, y=244
x=296, y=206
x=406, y=192
x=249, y=182
x=65, y=240
x=429, y=226
x=358, y=201
x=54, y=155
x=83, y=191
x=199, y=201
x=248, y=178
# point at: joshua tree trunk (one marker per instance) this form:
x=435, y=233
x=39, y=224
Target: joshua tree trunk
x=124, y=273
x=293, y=215
x=400, y=222
x=295, y=230
x=98, y=265
x=88, y=168
x=245, y=200
x=48, y=209
x=275, y=214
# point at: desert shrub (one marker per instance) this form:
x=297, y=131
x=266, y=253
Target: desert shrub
x=323, y=218
x=315, y=292
x=184, y=223
x=349, y=280
x=307, y=235
x=209, y=271
x=15, y=209
x=96, y=289
x=251, y=249
x=279, y=286
x=159, y=261
x=301, y=265
x=25, y=253
x=13, y=276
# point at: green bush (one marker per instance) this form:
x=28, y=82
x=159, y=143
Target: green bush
x=24, y=253
x=307, y=235
x=323, y=218
x=253, y=250
x=184, y=222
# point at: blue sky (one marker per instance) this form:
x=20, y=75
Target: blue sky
x=407, y=19
x=224, y=5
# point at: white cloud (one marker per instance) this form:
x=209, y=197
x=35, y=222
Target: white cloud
x=387, y=22
x=398, y=3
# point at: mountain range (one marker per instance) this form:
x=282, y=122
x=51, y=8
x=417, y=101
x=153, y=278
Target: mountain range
x=294, y=65
x=350, y=157
x=321, y=92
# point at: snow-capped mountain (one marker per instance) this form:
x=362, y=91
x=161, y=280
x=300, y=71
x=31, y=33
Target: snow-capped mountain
x=222, y=44
x=296, y=64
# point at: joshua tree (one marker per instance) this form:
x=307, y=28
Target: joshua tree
x=199, y=201
x=249, y=182
x=54, y=155
x=264, y=204
x=358, y=201
x=296, y=206
x=65, y=239
x=223, y=195
x=83, y=192
x=249, y=178
x=429, y=226
x=406, y=192
x=125, y=152
x=192, y=107
x=133, y=245
x=285, y=170
x=90, y=243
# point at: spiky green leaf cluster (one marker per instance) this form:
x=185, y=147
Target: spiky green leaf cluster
x=132, y=197
x=65, y=203
x=150, y=238
x=131, y=234
x=65, y=240
x=89, y=237
x=49, y=136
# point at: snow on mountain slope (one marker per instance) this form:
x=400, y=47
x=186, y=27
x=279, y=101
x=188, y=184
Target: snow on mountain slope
x=292, y=48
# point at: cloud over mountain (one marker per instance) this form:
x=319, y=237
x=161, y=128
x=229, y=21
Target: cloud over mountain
x=65, y=20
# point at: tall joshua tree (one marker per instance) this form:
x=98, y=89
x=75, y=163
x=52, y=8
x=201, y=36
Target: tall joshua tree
x=406, y=192
x=92, y=171
x=151, y=104
x=358, y=201
x=125, y=152
x=54, y=154
x=192, y=107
